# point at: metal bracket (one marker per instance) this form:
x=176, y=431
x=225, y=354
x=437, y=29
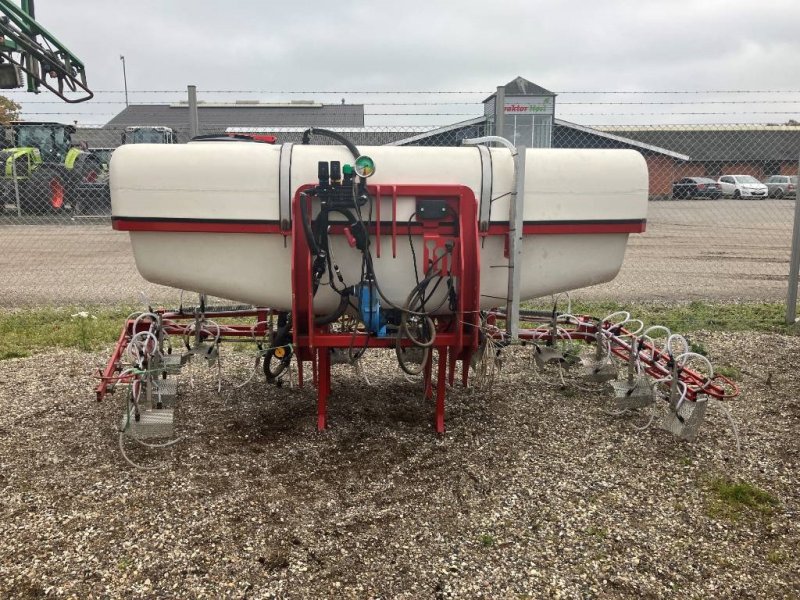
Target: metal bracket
x=630, y=394
x=515, y=222
x=285, y=187
x=684, y=422
x=485, y=206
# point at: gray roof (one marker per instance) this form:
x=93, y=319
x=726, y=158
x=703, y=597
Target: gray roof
x=573, y=135
x=565, y=135
x=721, y=143
x=522, y=87
x=219, y=116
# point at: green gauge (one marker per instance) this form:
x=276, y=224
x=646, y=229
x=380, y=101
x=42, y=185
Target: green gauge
x=364, y=166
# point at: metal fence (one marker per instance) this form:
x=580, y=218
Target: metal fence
x=715, y=230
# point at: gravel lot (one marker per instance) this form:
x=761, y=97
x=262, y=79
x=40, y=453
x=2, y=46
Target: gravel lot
x=720, y=250
x=531, y=493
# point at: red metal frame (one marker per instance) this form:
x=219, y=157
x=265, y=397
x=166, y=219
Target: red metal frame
x=457, y=334
x=656, y=362
x=110, y=376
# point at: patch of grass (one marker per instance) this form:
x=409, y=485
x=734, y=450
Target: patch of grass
x=5, y=354
x=698, y=348
x=487, y=540
x=685, y=461
x=728, y=371
x=776, y=557
x=732, y=499
x=600, y=532
x=25, y=332
x=689, y=317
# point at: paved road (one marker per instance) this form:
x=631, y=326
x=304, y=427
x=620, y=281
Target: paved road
x=721, y=250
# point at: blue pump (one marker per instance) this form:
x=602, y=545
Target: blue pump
x=370, y=308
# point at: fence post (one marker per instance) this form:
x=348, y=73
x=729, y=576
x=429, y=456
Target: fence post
x=194, y=122
x=794, y=263
x=16, y=186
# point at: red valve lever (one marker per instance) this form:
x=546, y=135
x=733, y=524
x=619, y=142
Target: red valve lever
x=350, y=238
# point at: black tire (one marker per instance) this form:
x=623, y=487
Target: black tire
x=278, y=358
x=778, y=193
x=88, y=191
x=43, y=192
x=737, y=195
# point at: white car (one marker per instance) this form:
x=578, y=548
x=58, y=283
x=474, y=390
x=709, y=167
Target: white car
x=742, y=186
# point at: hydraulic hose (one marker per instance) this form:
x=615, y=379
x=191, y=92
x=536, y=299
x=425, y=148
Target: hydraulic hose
x=312, y=242
x=332, y=135
x=344, y=302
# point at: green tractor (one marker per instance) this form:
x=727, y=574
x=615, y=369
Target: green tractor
x=43, y=172
x=149, y=134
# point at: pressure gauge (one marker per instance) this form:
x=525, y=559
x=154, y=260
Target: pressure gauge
x=364, y=166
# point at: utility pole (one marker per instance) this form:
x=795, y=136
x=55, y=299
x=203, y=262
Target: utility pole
x=124, y=78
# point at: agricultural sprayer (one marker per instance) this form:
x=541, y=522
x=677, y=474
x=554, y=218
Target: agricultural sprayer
x=336, y=251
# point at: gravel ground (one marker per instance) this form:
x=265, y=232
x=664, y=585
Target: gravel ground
x=720, y=250
x=531, y=493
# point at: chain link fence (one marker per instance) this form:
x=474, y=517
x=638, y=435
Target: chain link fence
x=719, y=223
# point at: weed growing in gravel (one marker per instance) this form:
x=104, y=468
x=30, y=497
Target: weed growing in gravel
x=487, y=540
x=600, y=532
x=698, y=348
x=733, y=498
x=728, y=371
x=776, y=557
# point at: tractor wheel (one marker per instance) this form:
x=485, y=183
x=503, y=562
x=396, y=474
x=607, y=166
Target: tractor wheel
x=88, y=187
x=43, y=193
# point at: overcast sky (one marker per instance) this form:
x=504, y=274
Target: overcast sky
x=465, y=45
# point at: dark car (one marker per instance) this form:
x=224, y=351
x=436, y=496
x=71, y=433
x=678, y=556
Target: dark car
x=696, y=187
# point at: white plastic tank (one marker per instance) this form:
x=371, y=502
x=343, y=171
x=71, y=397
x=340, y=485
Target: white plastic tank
x=206, y=216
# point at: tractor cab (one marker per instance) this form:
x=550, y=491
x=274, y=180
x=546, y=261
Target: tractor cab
x=149, y=134
x=53, y=140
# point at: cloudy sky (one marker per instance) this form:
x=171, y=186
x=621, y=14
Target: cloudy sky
x=471, y=46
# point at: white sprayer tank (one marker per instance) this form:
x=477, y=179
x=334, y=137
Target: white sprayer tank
x=199, y=215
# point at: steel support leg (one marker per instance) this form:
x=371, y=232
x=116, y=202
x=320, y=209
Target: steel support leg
x=451, y=368
x=428, y=375
x=441, y=389
x=300, y=373
x=323, y=387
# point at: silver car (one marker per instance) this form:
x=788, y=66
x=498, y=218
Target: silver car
x=782, y=185
x=742, y=186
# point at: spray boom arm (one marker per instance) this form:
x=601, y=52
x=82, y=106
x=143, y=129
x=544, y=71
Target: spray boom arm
x=31, y=49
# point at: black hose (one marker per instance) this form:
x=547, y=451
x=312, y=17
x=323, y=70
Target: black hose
x=312, y=242
x=344, y=303
x=332, y=135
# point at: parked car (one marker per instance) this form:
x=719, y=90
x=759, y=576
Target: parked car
x=696, y=187
x=742, y=186
x=779, y=186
